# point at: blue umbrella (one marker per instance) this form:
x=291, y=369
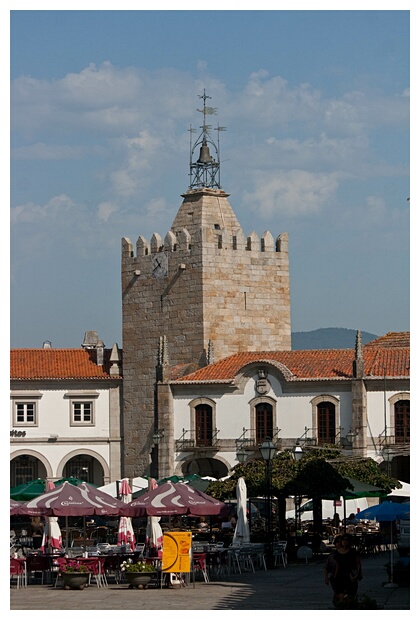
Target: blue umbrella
x=387, y=511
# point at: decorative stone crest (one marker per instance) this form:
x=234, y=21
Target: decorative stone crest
x=262, y=384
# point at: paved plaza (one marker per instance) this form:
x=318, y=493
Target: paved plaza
x=298, y=586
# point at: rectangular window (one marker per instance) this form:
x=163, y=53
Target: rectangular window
x=82, y=412
x=25, y=413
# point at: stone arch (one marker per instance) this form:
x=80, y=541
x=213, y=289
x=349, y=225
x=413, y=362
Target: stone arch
x=277, y=369
x=205, y=465
x=37, y=455
x=80, y=452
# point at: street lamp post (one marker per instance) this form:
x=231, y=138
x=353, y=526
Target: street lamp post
x=297, y=455
x=268, y=452
x=156, y=438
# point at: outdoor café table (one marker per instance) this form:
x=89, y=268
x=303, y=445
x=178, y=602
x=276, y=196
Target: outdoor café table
x=41, y=563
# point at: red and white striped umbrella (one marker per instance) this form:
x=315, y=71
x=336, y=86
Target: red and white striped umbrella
x=51, y=537
x=154, y=534
x=73, y=501
x=125, y=529
x=174, y=498
x=15, y=507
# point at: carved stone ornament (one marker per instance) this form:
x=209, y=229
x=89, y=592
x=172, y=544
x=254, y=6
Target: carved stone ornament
x=262, y=385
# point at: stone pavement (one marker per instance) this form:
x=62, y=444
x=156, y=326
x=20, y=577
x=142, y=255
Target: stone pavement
x=298, y=586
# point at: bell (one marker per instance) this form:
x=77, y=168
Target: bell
x=205, y=157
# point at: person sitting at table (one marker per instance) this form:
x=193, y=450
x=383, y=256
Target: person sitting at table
x=336, y=520
x=37, y=532
x=350, y=520
x=202, y=525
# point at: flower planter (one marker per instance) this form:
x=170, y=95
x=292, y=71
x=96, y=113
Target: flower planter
x=138, y=580
x=75, y=581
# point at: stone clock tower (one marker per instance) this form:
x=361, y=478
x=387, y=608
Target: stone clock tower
x=205, y=290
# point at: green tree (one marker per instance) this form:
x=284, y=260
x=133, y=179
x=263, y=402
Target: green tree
x=321, y=471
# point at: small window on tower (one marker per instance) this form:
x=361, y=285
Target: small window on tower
x=217, y=226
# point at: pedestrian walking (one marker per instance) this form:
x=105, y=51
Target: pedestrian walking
x=343, y=571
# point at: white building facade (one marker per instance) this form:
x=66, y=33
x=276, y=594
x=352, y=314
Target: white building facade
x=65, y=413
x=357, y=399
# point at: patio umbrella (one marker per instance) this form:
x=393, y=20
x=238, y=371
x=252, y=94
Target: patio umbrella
x=35, y=488
x=138, y=484
x=154, y=534
x=15, y=507
x=68, y=500
x=241, y=534
x=386, y=512
x=125, y=534
x=51, y=536
x=356, y=490
x=28, y=490
x=173, y=498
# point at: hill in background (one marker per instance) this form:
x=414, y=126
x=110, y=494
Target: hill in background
x=328, y=338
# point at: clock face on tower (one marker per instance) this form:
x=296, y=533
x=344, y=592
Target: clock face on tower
x=159, y=265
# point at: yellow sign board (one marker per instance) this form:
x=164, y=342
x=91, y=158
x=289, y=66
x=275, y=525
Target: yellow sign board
x=176, y=557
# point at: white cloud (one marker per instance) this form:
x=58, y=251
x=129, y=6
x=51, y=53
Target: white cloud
x=106, y=209
x=290, y=193
x=33, y=213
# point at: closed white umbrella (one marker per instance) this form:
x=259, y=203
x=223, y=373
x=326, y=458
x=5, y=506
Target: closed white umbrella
x=241, y=534
x=125, y=529
x=113, y=488
x=154, y=534
x=51, y=537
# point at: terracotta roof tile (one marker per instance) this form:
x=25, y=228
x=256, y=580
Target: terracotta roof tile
x=31, y=364
x=392, y=339
x=314, y=364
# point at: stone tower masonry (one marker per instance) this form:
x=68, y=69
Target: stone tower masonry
x=206, y=289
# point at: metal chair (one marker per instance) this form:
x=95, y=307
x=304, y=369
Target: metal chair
x=18, y=571
x=200, y=566
x=36, y=564
x=279, y=553
x=58, y=565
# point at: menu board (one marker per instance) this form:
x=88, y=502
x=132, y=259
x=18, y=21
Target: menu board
x=176, y=557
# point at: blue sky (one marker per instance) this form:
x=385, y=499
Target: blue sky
x=317, y=110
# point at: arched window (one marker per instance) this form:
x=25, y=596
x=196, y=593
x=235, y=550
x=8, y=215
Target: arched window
x=203, y=425
x=402, y=421
x=326, y=423
x=80, y=467
x=263, y=421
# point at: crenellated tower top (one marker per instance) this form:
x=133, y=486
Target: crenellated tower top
x=205, y=171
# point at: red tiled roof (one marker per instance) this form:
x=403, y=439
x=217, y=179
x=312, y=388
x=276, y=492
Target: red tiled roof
x=30, y=364
x=392, y=339
x=309, y=365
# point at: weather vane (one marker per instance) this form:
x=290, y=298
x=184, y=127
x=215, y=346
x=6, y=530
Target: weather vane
x=205, y=171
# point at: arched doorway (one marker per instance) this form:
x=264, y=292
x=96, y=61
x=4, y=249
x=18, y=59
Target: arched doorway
x=86, y=468
x=24, y=468
x=205, y=467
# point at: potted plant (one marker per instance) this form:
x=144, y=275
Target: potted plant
x=75, y=576
x=138, y=574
